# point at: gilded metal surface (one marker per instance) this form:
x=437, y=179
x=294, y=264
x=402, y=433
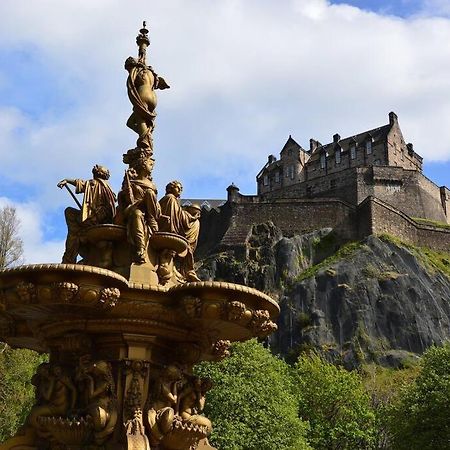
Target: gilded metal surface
x=125, y=323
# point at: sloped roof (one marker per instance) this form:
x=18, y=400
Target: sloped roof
x=292, y=143
x=377, y=134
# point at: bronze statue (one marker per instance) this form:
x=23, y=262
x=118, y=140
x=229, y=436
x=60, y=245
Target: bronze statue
x=163, y=403
x=98, y=207
x=192, y=403
x=184, y=222
x=141, y=85
x=138, y=206
x=55, y=395
x=97, y=389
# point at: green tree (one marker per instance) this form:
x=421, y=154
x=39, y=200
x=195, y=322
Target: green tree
x=336, y=405
x=251, y=405
x=384, y=385
x=16, y=366
x=421, y=417
x=16, y=392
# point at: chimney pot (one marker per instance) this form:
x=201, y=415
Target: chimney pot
x=393, y=118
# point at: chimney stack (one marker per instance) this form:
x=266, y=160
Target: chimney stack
x=392, y=118
x=336, y=138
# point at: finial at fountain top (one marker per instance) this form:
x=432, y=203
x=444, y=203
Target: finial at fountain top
x=143, y=41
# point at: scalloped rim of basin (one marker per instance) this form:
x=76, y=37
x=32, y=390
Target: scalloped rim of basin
x=74, y=269
x=219, y=287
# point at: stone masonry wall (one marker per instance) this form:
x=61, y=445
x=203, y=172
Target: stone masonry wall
x=384, y=218
x=407, y=190
x=292, y=217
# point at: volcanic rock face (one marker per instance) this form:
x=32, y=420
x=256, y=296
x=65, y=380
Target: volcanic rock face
x=372, y=301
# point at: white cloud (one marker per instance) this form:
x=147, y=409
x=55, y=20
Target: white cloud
x=244, y=75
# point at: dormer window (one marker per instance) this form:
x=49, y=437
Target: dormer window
x=323, y=161
x=337, y=155
x=369, y=146
x=266, y=180
x=353, y=151
x=277, y=177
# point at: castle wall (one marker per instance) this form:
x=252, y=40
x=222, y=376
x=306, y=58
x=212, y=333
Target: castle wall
x=292, y=217
x=406, y=190
x=232, y=225
x=384, y=218
x=341, y=185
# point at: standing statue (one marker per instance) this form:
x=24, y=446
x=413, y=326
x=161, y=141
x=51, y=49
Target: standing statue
x=139, y=209
x=184, y=222
x=99, y=206
x=141, y=85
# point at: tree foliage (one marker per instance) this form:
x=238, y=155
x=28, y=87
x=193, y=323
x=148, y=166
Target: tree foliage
x=16, y=366
x=11, y=246
x=251, y=405
x=421, y=417
x=384, y=386
x=16, y=392
x=336, y=405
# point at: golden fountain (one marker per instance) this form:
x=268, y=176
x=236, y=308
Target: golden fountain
x=124, y=317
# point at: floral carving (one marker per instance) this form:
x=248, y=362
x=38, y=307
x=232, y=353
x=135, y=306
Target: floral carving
x=192, y=306
x=235, y=311
x=133, y=399
x=221, y=349
x=109, y=297
x=65, y=291
x=26, y=292
x=261, y=324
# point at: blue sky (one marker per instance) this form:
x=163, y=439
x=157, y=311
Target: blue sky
x=244, y=75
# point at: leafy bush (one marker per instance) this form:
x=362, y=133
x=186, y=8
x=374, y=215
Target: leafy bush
x=251, y=405
x=336, y=405
x=420, y=420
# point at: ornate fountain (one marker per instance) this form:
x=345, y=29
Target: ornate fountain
x=124, y=317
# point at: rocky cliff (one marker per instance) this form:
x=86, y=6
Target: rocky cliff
x=376, y=300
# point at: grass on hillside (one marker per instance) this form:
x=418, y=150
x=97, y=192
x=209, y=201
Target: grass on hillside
x=433, y=223
x=431, y=259
x=344, y=252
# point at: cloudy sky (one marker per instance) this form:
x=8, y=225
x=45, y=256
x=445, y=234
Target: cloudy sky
x=244, y=74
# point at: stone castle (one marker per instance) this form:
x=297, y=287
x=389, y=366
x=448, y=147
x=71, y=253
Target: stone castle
x=369, y=183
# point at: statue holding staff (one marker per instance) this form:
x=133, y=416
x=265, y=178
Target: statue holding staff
x=98, y=207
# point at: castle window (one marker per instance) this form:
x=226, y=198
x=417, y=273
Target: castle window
x=353, y=152
x=266, y=180
x=290, y=171
x=323, y=161
x=369, y=147
x=332, y=184
x=277, y=177
x=337, y=155
x=309, y=191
